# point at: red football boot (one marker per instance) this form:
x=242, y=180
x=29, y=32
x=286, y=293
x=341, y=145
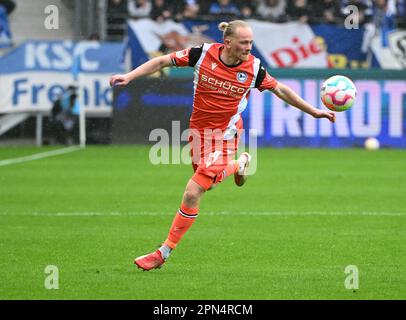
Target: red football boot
x=150, y=261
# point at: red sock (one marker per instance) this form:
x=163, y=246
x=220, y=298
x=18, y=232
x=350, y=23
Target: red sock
x=231, y=168
x=183, y=220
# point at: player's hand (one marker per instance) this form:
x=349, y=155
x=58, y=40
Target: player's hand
x=119, y=80
x=330, y=115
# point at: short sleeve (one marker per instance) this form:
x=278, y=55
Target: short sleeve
x=264, y=80
x=186, y=57
x=180, y=58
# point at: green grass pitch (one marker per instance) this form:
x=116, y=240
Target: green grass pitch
x=289, y=233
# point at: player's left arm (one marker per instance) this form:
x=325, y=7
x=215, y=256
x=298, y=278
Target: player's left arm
x=291, y=97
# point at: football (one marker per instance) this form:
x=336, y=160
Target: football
x=338, y=93
x=371, y=144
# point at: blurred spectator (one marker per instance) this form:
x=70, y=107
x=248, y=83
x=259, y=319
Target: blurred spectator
x=298, y=10
x=384, y=14
x=381, y=22
x=9, y=5
x=224, y=7
x=183, y=8
x=191, y=9
x=180, y=9
x=176, y=7
x=204, y=6
x=160, y=11
x=272, y=10
x=64, y=117
x=246, y=8
x=327, y=11
x=401, y=13
x=139, y=8
x=6, y=7
x=246, y=12
x=94, y=37
x=116, y=19
x=365, y=10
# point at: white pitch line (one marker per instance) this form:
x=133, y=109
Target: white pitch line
x=39, y=156
x=220, y=213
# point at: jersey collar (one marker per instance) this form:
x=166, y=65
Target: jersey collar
x=228, y=65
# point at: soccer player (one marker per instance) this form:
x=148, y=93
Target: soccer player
x=224, y=74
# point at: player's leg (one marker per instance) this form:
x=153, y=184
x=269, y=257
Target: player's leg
x=230, y=169
x=238, y=167
x=182, y=222
x=185, y=216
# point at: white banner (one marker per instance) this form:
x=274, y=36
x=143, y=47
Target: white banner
x=151, y=33
x=36, y=91
x=290, y=44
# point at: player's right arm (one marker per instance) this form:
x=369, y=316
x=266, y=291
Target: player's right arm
x=183, y=58
x=149, y=67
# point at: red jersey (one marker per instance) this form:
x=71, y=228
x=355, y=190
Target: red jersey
x=220, y=91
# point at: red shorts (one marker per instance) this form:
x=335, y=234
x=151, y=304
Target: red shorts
x=211, y=153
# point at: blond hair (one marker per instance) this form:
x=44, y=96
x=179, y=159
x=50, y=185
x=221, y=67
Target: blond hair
x=229, y=28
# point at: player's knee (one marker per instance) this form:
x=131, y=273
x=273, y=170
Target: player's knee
x=212, y=186
x=191, y=197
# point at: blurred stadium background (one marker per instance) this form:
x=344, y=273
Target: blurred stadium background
x=318, y=202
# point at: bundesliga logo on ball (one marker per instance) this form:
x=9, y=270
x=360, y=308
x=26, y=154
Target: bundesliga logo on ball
x=338, y=93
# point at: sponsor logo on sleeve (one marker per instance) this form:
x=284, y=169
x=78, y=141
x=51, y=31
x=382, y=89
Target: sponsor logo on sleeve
x=181, y=54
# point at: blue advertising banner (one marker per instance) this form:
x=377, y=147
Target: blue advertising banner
x=34, y=74
x=379, y=111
